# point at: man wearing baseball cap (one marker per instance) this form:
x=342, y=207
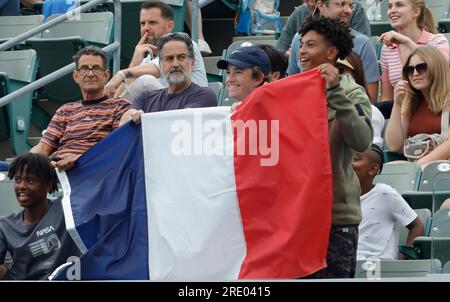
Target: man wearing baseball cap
x=247, y=69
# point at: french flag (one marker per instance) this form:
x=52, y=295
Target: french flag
x=206, y=194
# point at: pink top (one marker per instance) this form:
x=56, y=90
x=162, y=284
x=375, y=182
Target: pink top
x=391, y=67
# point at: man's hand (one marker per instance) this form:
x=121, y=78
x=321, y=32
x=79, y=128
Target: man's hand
x=330, y=74
x=66, y=162
x=113, y=84
x=142, y=47
x=140, y=50
x=136, y=116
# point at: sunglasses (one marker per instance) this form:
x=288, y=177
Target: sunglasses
x=420, y=68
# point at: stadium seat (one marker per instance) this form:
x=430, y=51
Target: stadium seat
x=12, y=26
x=8, y=203
x=444, y=26
x=379, y=27
x=254, y=39
x=436, y=240
x=439, y=8
x=216, y=87
x=433, y=189
x=382, y=24
x=55, y=50
x=213, y=73
x=446, y=268
x=396, y=268
x=403, y=177
x=432, y=247
x=19, y=69
x=424, y=216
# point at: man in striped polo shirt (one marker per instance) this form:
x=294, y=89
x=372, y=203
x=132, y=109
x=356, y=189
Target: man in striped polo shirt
x=77, y=126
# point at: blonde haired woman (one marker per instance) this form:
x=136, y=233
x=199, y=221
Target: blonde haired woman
x=414, y=25
x=419, y=100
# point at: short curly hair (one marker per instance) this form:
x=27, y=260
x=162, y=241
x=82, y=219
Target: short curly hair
x=334, y=32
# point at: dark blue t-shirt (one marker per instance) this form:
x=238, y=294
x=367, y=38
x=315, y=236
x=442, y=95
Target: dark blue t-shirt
x=159, y=100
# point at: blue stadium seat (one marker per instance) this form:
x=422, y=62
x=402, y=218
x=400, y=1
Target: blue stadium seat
x=18, y=69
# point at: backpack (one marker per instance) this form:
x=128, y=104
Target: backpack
x=258, y=17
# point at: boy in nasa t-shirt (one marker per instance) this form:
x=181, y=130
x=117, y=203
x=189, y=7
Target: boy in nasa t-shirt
x=36, y=237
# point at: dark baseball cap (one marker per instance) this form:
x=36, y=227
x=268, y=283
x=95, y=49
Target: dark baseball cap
x=247, y=57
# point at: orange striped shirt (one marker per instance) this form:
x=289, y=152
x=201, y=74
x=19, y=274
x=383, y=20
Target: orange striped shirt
x=77, y=126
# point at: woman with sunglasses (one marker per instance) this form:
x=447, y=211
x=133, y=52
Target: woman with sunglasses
x=414, y=25
x=419, y=100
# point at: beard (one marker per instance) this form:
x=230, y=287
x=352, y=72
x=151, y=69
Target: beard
x=177, y=78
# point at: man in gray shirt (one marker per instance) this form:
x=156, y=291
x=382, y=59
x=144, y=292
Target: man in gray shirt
x=156, y=20
x=176, y=55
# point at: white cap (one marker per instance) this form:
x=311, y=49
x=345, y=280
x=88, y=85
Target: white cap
x=378, y=127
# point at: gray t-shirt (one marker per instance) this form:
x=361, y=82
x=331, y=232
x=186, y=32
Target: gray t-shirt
x=159, y=100
x=36, y=249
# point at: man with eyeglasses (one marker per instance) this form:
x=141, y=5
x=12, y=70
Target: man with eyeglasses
x=342, y=10
x=176, y=54
x=358, y=21
x=77, y=126
x=144, y=72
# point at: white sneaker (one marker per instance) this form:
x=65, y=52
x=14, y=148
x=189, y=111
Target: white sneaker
x=204, y=47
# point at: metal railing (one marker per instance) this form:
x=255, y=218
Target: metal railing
x=70, y=15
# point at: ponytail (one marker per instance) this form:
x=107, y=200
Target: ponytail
x=426, y=20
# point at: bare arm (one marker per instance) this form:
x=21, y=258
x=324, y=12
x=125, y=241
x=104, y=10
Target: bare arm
x=415, y=229
x=372, y=91
x=442, y=152
x=397, y=129
x=130, y=73
x=387, y=91
x=43, y=149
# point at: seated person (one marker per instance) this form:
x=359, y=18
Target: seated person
x=419, y=100
x=383, y=211
x=247, y=69
x=77, y=126
x=156, y=20
x=278, y=62
x=176, y=55
x=36, y=237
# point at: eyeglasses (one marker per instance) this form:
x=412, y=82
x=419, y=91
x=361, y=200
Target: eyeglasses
x=97, y=70
x=420, y=68
x=343, y=4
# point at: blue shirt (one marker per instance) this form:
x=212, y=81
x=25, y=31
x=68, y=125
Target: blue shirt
x=361, y=45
